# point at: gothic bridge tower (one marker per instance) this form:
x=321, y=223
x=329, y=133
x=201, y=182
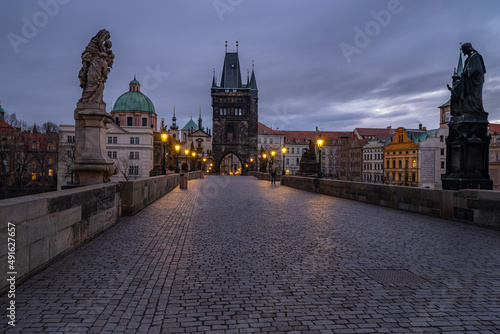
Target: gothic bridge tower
x=235, y=118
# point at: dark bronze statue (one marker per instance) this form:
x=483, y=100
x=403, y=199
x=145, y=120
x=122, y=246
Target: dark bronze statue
x=466, y=93
x=309, y=154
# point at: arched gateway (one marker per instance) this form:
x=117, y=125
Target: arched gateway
x=235, y=118
x=231, y=165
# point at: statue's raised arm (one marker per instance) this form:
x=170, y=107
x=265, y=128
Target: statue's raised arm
x=97, y=60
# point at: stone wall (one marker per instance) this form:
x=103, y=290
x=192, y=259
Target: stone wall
x=49, y=225
x=480, y=207
x=139, y=193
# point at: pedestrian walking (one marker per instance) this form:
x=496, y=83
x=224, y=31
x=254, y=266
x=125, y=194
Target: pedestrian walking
x=273, y=174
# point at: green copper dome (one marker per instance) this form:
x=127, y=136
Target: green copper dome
x=134, y=82
x=134, y=100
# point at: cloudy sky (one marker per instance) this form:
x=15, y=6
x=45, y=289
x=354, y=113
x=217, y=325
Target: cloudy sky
x=337, y=65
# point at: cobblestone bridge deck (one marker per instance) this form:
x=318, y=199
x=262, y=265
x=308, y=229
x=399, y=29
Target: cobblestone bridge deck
x=237, y=255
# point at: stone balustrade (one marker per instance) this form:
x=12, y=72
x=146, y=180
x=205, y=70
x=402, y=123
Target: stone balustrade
x=480, y=207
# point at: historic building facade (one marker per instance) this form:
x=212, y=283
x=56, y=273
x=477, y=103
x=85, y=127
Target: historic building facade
x=129, y=140
x=235, y=118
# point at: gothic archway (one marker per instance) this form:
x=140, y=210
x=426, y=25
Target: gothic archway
x=230, y=164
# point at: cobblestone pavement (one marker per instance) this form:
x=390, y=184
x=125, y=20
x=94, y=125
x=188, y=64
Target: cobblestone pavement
x=237, y=255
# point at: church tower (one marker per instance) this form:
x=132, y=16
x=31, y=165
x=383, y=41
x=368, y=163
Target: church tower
x=235, y=117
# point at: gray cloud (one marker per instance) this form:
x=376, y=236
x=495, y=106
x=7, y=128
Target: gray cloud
x=303, y=76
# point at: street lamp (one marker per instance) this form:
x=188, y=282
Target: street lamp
x=194, y=160
x=319, y=142
x=264, y=156
x=283, y=150
x=251, y=163
x=186, y=153
x=177, y=149
x=164, y=137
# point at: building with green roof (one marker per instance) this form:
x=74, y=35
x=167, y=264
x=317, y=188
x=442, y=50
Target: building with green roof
x=133, y=108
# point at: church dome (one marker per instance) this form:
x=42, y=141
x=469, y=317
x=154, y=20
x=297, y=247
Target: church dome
x=134, y=100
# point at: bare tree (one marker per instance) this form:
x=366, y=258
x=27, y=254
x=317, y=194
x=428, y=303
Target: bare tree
x=128, y=167
x=50, y=127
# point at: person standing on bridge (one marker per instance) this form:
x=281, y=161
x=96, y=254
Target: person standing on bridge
x=273, y=174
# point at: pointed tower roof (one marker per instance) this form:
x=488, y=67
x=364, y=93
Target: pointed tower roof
x=214, y=79
x=191, y=125
x=174, y=122
x=231, y=74
x=200, y=127
x=253, y=82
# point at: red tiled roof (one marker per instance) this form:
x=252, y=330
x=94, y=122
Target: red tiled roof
x=494, y=128
x=375, y=132
x=6, y=128
x=269, y=131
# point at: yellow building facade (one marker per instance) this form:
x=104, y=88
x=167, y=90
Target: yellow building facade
x=401, y=158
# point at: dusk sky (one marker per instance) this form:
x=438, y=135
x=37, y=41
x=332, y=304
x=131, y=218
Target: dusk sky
x=337, y=65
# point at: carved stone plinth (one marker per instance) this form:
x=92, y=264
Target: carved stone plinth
x=308, y=168
x=467, y=156
x=92, y=165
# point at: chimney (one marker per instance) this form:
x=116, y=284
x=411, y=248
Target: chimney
x=420, y=126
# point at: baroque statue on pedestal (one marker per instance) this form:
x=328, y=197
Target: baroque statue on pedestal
x=97, y=61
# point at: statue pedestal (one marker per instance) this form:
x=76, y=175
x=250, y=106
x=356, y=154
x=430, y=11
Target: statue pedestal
x=467, y=149
x=92, y=165
x=308, y=168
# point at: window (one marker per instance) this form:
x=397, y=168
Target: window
x=117, y=120
x=414, y=163
x=51, y=161
x=51, y=172
x=442, y=164
x=406, y=163
x=144, y=121
x=129, y=121
x=112, y=140
x=112, y=154
x=71, y=139
x=70, y=153
x=265, y=140
x=270, y=140
x=34, y=164
x=441, y=139
x=33, y=176
x=393, y=163
x=287, y=161
x=293, y=150
x=230, y=132
x=133, y=170
x=51, y=147
x=442, y=151
x=134, y=155
x=134, y=140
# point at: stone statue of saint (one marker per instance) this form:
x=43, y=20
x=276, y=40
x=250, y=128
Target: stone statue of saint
x=97, y=61
x=309, y=154
x=467, y=92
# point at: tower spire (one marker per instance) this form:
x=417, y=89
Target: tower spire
x=236, y=46
x=200, y=121
x=174, y=122
x=226, y=46
x=214, y=79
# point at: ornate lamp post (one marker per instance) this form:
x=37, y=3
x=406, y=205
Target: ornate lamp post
x=164, y=137
x=177, y=149
x=194, y=160
x=186, y=153
x=319, y=143
x=264, y=156
x=283, y=150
